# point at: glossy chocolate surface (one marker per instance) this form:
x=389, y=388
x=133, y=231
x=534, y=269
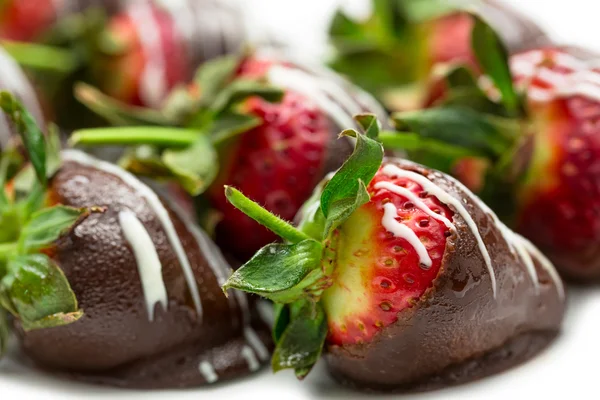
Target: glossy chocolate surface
x=458, y=330
x=116, y=342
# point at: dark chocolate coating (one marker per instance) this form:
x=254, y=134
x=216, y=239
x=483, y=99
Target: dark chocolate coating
x=458, y=331
x=115, y=342
x=518, y=31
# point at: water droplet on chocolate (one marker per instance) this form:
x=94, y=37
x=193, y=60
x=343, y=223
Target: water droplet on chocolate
x=385, y=306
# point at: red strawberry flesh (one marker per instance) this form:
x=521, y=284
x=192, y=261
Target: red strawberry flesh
x=560, y=198
x=276, y=164
x=379, y=274
x=26, y=20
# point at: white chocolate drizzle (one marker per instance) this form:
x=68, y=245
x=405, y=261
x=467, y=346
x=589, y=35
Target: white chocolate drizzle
x=148, y=263
x=430, y=187
x=546, y=265
x=153, y=82
x=305, y=84
x=257, y=344
x=155, y=204
x=400, y=230
x=250, y=358
x=580, y=79
x=208, y=372
x=514, y=240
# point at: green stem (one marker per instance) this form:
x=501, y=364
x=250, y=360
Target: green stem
x=42, y=58
x=7, y=250
x=144, y=135
x=264, y=217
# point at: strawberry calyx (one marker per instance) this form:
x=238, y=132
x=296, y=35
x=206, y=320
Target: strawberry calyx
x=399, y=44
x=182, y=140
x=481, y=122
x=297, y=273
x=32, y=287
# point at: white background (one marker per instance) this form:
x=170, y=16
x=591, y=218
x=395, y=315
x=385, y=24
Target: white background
x=568, y=369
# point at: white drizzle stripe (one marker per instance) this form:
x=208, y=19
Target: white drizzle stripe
x=257, y=344
x=208, y=372
x=430, y=187
x=400, y=230
x=155, y=204
x=413, y=198
x=153, y=83
x=216, y=262
x=148, y=263
x=526, y=258
x=250, y=358
x=303, y=83
x=546, y=265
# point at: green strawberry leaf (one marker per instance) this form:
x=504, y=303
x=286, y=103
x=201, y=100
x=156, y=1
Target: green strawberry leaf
x=458, y=126
x=256, y=212
x=4, y=331
x=282, y=320
x=281, y=272
x=117, y=112
x=30, y=133
x=392, y=17
x=42, y=58
x=47, y=225
x=346, y=189
x=213, y=76
x=231, y=124
x=301, y=344
x=38, y=293
x=492, y=56
x=194, y=167
x=241, y=89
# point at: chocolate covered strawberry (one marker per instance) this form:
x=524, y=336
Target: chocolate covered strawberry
x=401, y=277
x=525, y=137
x=272, y=124
x=393, y=53
x=110, y=282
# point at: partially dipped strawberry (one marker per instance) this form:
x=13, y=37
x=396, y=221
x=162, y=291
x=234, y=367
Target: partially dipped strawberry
x=111, y=283
x=527, y=143
x=274, y=136
x=393, y=53
x=401, y=277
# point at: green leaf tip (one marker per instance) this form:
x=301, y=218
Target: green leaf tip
x=282, y=228
x=283, y=273
x=31, y=135
x=492, y=56
x=37, y=293
x=346, y=190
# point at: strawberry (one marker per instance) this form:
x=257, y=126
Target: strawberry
x=398, y=272
x=394, y=52
x=283, y=146
x=535, y=162
x=87, y=237
x=150, y=47
x=151, y=57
